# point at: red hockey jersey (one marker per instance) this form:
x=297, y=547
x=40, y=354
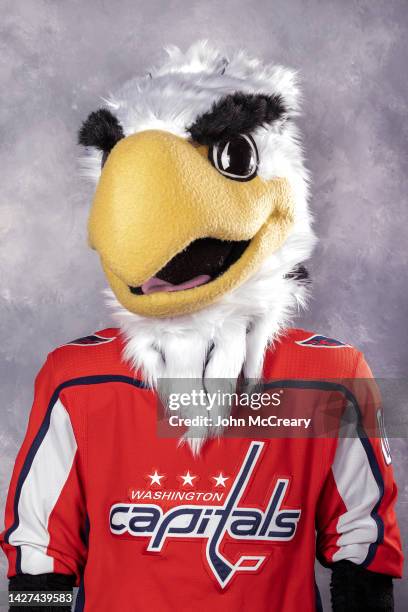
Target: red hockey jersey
x=145, y=525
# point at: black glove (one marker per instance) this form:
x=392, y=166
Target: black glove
x=355, y=589
x=42, y=582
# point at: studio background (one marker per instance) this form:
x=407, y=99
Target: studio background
x=58, y=58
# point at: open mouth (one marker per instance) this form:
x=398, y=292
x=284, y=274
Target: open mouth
x=204, y=260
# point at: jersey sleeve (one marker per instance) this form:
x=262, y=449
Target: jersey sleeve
x=356, y=519
x=45, y=518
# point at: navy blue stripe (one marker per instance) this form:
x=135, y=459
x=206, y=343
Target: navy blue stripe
x=372, y=549
x=372, y=460
x=80, y=599
x=222, y=569
x=319, y=605
x=84, y=380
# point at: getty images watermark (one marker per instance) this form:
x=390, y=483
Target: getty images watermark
x=221, y=403
x=283, y=408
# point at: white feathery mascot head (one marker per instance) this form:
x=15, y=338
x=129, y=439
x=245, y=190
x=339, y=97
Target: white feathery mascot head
x=200, y=214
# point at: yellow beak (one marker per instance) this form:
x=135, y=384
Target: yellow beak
x=158, y=193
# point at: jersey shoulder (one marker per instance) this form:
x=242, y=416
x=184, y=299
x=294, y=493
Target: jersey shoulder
x=94, y=354
x=302, y=337
x=304, y=353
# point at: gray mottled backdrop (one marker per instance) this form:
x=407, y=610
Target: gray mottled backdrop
x=57, y=57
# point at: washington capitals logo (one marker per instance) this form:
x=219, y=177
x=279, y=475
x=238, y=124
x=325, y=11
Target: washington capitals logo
x=90, y=340
x=212, y=523
x=322, y=342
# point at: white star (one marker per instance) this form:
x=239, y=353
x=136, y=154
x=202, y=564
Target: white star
x=220, y=480
x=188, y=478
x=155, y=478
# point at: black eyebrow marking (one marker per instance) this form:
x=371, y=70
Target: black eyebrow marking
x=237, y=113
x=101, y=130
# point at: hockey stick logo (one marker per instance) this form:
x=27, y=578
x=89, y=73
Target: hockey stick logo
x=211, y=523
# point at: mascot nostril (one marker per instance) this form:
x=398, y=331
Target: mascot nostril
x=201, y=221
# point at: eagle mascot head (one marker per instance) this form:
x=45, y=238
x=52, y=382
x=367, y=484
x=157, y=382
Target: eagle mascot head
x=200, y=215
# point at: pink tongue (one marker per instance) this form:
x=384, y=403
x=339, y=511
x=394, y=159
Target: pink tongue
x=154, y=284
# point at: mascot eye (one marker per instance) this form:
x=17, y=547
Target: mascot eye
x=236, y=158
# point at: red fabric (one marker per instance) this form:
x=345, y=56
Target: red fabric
x=115, y=427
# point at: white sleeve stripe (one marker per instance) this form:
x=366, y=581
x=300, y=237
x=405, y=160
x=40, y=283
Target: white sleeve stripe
x=40, y=491
x=360, y=493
